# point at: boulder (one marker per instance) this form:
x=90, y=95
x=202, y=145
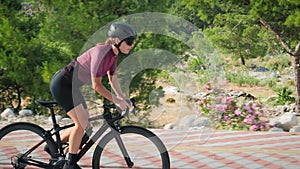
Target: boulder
x=187, y=121
x=295, y=129
x=171, y=90
x=66, y=121
x=190, y=121
x=8, y=113
x=25, y=112
x=57, y=117
x=201, y=122
x=285, y=121
x=169, y=126
x=276, y=129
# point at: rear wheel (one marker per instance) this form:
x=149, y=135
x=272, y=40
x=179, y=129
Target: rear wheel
x=145, y=150
x=17, y=139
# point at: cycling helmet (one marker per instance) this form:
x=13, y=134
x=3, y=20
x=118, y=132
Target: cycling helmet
x=122, y=31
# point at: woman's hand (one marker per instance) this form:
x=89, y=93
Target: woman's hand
x=122, y=103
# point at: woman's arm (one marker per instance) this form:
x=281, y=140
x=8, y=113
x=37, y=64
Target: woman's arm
x=115, y=85
x=99, y=88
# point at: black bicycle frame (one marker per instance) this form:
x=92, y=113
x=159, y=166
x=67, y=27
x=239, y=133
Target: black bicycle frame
x=47, y=135
x=109, y=122
x=81, y=153
x=92, y=141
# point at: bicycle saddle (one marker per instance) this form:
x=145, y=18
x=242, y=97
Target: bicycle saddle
x=46, y=103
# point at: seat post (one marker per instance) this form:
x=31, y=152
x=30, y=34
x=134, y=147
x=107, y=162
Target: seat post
x=53, y=116
x=56, y=129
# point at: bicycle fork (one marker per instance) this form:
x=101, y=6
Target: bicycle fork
x=122, y=148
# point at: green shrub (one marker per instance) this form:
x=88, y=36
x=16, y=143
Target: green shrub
x=284, y=96
x=270, y=83
x=241, y=78
x=278, y=62
x=194, y=64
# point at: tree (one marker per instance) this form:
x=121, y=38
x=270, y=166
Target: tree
x=236, y=34
x=227, y=25
x=236, y=26
x=40, y=37
x=13, y=72
x=282, y=18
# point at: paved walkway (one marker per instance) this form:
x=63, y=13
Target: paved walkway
x=237, y=150
x=196, y=149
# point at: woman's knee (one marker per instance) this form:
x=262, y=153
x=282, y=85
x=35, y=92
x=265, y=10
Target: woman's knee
x=82, y=124
x=80, y=116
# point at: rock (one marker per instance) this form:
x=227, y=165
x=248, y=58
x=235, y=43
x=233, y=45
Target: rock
x=276, y=129
x=169, y=126
x=274, y=121
x=285, y=121
x=295, y=129
x=187, y=122
x=25, y=112
x=8, y=113
x=190, y=121
x=293, y=108
x=66, y=121
x=171, y=90
x=200, y=95
x=258, y=68
x=57, y=117
x=201, y=122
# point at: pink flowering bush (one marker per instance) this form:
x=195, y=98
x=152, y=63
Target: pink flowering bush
x=230, y=112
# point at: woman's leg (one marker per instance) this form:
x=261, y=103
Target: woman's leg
x=80, y=116
x=65, y=136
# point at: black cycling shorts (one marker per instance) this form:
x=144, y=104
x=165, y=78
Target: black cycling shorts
x=66, y=94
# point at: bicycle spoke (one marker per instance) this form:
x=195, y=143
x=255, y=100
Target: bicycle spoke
x=141, y=150
x=18, y=142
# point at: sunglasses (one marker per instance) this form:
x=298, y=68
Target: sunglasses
x=129, y=41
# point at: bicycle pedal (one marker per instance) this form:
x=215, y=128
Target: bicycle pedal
x=58, y=163
x=65, y=145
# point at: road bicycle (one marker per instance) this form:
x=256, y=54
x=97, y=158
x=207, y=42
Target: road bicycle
x=22, y=144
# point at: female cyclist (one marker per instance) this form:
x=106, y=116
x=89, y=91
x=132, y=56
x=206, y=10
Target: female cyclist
x=91, y=66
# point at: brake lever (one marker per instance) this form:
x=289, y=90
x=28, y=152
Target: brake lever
x=133, y=101
x=126, y=113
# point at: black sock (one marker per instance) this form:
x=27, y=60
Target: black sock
x=72, y=159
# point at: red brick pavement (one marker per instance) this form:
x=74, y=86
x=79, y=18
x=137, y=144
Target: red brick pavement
x=226, y=149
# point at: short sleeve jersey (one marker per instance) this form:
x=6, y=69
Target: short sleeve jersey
x=96, y=62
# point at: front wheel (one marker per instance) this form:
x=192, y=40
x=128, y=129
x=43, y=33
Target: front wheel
x=145, y=150
x=15, y=141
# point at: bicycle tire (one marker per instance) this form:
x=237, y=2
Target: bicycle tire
x=134, y=133
x=17, y=138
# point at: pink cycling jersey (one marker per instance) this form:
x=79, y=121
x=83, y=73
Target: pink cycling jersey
x=98, y=61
